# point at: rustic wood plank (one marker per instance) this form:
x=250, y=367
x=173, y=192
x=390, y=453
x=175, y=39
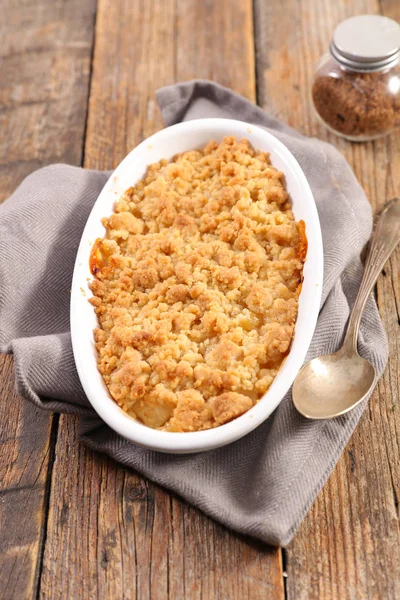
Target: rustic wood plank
x=149, y=45
x=25, y=444
x=349, y=545
x=45, y=55
x=112, y=534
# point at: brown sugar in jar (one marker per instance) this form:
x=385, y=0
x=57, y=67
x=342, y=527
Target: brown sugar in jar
x=356, y=88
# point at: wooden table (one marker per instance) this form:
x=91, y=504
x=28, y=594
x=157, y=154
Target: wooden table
x=77, y=85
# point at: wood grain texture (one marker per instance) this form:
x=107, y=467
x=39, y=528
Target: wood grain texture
x=111, y=534
x=45, y=63
x=349, y=544
x=142, y=46
x=25, y=443
x=45, y=55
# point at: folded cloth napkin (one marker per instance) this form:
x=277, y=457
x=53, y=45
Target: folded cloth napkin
x=263, y=484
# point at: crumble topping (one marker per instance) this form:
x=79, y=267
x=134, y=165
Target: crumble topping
x=196, y=287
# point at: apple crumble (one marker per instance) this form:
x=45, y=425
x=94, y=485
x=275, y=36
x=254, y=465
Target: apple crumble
x=196, y=287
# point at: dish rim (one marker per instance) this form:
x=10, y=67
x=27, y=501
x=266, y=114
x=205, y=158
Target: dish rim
x=197, y=441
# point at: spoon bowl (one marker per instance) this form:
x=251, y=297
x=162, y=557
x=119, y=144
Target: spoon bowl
x=331, y=385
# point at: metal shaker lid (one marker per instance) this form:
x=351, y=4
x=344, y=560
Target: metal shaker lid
x=366, y=43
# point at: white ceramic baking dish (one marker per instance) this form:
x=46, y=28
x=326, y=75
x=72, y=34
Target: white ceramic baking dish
x=165, y=144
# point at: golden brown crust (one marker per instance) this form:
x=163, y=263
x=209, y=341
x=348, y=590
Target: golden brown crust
x=196, y=287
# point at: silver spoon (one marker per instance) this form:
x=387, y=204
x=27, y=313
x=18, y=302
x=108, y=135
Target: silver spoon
x=333, y=384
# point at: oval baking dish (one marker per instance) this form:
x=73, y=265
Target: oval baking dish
x=165, y=144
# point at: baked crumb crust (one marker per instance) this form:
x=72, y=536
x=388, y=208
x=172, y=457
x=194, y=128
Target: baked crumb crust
x=196, y=287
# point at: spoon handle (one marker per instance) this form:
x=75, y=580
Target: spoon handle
x=385, y=237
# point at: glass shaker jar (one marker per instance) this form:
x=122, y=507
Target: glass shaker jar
x=356, y=87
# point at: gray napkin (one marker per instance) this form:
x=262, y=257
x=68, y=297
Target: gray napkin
x=263, y=484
